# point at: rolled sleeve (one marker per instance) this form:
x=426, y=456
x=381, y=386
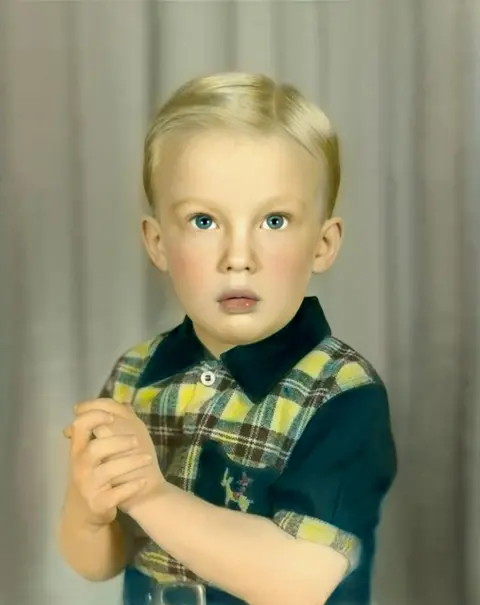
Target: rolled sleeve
x=332, y=489
x=317, y=531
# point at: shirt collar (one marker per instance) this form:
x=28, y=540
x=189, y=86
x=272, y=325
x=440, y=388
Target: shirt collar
x=257, y=367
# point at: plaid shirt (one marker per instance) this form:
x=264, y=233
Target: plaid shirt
x=294, y=428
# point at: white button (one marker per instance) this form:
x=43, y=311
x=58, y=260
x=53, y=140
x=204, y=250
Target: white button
x=207, y=378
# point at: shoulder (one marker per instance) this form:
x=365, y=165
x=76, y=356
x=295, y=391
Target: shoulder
x=136, y=357
x=350, y=400
x=334, y=367
x=128, y=368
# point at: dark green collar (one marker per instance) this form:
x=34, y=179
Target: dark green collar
x=257, y=367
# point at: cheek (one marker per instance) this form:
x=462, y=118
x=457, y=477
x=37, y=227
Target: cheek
x=185, y=266
x=289, y=261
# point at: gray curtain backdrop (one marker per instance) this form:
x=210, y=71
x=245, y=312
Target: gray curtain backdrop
x=401, y=79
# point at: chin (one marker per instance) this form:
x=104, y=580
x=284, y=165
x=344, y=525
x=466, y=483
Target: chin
x=241, y=330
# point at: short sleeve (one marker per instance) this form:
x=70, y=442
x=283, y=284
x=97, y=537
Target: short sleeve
x=333, y=487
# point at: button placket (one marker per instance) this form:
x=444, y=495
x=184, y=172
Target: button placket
x=199, y=412
x=207, y=378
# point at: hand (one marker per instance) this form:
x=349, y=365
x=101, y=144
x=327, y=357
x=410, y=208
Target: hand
x=127, y=423
x=102, y=471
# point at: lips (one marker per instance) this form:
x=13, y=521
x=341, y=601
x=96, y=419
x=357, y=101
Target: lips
x=238, y=294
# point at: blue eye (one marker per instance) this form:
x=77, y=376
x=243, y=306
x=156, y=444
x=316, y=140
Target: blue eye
x=203, y=222
x=276, y=222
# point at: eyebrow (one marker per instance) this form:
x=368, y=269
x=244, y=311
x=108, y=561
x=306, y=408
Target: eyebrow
x=205, y=202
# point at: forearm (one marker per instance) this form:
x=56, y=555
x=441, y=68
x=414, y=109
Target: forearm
x=245, y=555
x=95, y=553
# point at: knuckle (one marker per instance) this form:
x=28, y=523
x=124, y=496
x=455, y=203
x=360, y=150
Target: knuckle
x=75, y=427
x=126, y=442
x=102, y=431
x=98, y=416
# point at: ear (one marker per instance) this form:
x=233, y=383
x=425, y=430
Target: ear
x=329, y=244
x=153, y=242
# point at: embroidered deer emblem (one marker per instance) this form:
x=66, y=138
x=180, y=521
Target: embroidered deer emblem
x=235, y=491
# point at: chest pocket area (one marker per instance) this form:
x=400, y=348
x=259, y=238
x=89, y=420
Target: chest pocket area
x=226, y=483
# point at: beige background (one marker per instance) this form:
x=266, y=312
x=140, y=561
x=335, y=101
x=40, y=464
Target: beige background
x=401, y=79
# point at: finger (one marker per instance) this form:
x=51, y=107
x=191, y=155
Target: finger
x=112, y=498
x=99, y=450
x=103, y=432
x=112, y=471
x=107, y=405
x=120, y=426
x=83, y=427
x=139, y=473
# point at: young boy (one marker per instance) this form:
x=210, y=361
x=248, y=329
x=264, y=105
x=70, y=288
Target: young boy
x=247, y=450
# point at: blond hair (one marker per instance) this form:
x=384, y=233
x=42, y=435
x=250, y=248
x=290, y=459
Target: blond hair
x=251, y=102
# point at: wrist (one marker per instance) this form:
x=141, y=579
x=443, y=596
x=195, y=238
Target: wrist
x=77, y=510
x=154, y=500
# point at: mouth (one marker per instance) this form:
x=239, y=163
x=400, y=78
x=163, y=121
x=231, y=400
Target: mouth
x=238, y=295
x=238, y=301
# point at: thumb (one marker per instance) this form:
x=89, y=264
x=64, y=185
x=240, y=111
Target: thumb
x=81, y=431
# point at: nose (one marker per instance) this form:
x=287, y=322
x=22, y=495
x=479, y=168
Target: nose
x=239, y=255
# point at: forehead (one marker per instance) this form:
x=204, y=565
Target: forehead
x=225, y=166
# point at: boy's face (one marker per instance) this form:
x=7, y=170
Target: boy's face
x=239, y=229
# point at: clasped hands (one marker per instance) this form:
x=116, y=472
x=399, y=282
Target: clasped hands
x=113, y=462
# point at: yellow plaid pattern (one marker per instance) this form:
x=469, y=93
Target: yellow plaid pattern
x=181, y=414
x=319, y=532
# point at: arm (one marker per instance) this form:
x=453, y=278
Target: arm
x=95, y=552
x=246, y=555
